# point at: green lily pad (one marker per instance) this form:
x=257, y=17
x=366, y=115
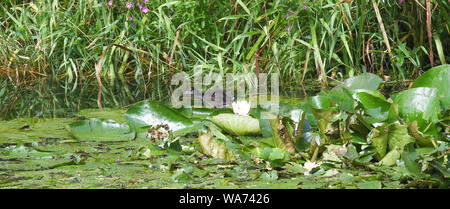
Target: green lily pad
x=364, y=81
x=418, y=104
x=213, y=147
x=389, y=137
x=152, y=113
x=96, y=129
x=369, y=185
x=379, y=138
x=237, y=124
x=398, y=137
x=390, y=158
x=375, y=105
x=439, y=78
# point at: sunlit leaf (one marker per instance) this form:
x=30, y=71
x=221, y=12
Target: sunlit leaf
x=101, y=130
x=439, y=78
x=237, y=124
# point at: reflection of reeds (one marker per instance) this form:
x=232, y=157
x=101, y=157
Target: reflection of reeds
x=53, y=56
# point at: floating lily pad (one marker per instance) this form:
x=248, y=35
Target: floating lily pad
x=364, y=81
x=418, y=104
x=237, y=124
x=96, y=129
x=375, y=105
x=214, y=147
x=152, y=113
x=389, y=137
x=390, y=158
x=439, y=78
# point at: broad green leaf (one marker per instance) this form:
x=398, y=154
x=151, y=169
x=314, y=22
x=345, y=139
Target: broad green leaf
x=418, y=104
x=270, y=176
x=342, y=97
x=319, y=102
x=379, y=138
x=398, y=137
x=375, y=105
x=409, y=157
x=364, y=81
x=437, y=77
x=96, y=129
x=152, y=113
x=275, y=156
x=213, y=147
x=334, y=153
x=390, y=158
x=237, y=124
x=389, y=137
x=369, y=185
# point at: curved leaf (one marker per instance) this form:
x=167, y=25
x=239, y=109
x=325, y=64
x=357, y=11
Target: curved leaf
x=439, y=78
x=363, y=81
x=375, y=105
x=213, y=147
x=101, y=130
x=237, y=124
x=152, y=113
x=418, y=104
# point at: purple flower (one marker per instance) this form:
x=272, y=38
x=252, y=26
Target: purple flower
x=129, y=5
x=400, y=1
x=118, y=159
x=288, y=28
x=130, y=18
x=145, y=1
x=110, y=3
x=305, y=7
x=145, y=10
x=291, y=13
x=141, y=6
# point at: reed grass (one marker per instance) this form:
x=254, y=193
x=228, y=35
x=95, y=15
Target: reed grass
x=49, y=49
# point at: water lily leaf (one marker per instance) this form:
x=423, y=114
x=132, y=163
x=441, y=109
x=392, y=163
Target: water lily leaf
x=379, y=138
x=389, y=137
x=409, y=157
x=363, y=81
x=369, y=185
x=418, y=104
x=390, y=158
x=375, y=105
x=437, y=77
x=275, y=156
x=237, y=124
x=334, y=153
x=319, y=102
x=213, y=147
x=21, y=151
x=269, y=176
x=181, y=176
x=343, y=97
x=96, y=129
x=151, y=113
x=398, y=137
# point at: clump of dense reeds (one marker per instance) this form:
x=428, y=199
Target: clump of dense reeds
x=50, y=50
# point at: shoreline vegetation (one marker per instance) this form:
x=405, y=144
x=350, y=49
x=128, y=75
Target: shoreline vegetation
x=85, y=90
x=49, y=50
